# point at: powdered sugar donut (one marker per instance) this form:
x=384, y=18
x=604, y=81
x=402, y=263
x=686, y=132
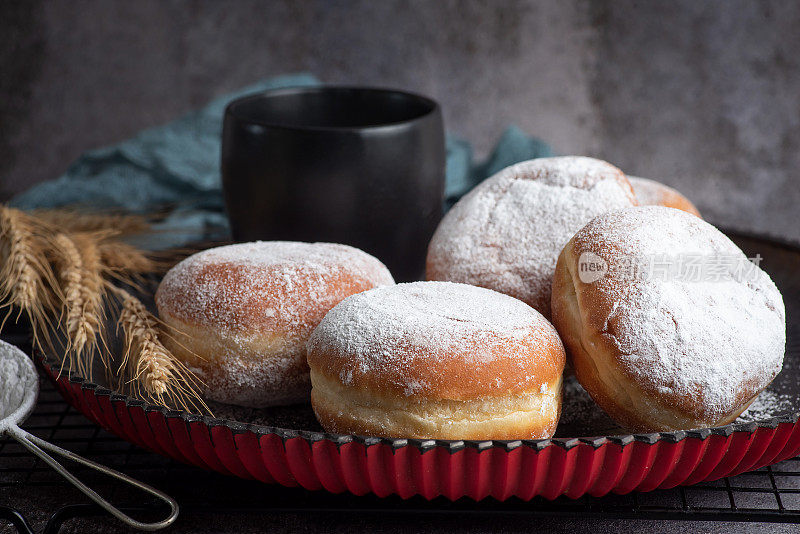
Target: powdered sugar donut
x=651, y=193
x=436, y=360
x=667, y=324
x=506, y=234
x=240, y=315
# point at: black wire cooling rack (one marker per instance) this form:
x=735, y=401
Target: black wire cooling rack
x=33, y=498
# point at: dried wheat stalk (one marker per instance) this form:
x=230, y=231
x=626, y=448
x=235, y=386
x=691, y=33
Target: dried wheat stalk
x=82, y=290
x=122, y=259
x=129, y=265
x=72, y=220
x=155, y=373
x=58, y=266
x=26, y=280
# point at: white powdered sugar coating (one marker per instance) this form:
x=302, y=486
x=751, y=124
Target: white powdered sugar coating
x=16, y=378
x=768, y=404
x=12, y=385
x=396, y=331
x=648, y=192
x=255, y=304
x=651, y=193
x=281, y=280
x=711, y=340
x=507, y=233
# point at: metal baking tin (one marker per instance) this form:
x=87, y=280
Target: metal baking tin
x=476, y=469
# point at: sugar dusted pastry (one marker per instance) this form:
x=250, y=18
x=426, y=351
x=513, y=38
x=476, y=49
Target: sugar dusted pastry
x=506, y=234
x=241, y=314
x=666, y=323
x=436, y=360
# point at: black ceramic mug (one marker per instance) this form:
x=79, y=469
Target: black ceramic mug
x=359, y=166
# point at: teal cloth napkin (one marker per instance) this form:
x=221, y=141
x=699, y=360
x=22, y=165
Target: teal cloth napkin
x=176, y=166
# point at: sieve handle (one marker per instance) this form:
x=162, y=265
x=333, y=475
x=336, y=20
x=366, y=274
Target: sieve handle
x=38, y=446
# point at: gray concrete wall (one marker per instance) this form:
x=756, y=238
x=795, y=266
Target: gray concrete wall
x=701, y=95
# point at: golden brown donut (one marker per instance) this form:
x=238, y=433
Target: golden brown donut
x=652, y=193
x=241, y=314
x=506, y=234
x=658, y=342
x=436, y=360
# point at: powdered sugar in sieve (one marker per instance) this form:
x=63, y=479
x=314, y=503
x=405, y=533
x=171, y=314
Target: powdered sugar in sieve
x=19, y=388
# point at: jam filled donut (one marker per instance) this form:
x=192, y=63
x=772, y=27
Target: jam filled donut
x=652, y=193
x=506, y=234
x=667, y=325
x=436, y=360
x=240, y=315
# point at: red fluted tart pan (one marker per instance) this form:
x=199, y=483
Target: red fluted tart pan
x=286, y=446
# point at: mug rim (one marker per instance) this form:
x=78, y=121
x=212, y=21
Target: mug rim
x=230, y=111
